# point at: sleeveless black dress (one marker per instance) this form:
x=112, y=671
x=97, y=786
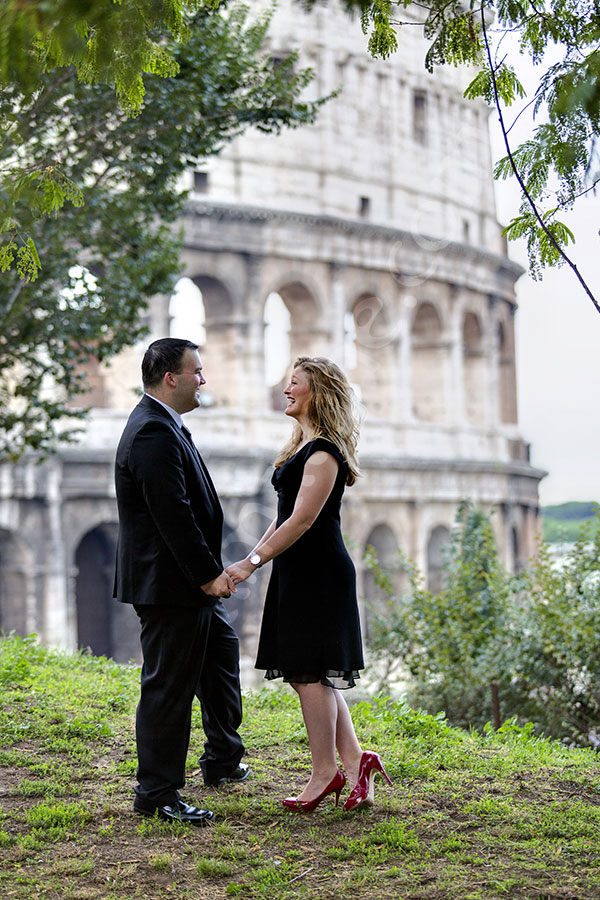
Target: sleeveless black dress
x=311, y=629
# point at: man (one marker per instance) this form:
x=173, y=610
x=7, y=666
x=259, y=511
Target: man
x=169, y=567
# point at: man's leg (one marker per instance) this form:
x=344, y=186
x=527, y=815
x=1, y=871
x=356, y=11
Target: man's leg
x=173, y=642
x=220, y=696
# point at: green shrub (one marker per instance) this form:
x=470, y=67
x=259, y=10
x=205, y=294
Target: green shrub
x=535, y=634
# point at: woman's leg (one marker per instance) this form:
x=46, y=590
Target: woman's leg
x=346, y=741
x=320, y=712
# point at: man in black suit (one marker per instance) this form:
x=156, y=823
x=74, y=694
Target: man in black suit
x=169, y=567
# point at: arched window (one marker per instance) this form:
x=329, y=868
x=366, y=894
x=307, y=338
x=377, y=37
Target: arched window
x=202, y=311
x=186, y=312
x=277, y=348
x=507, y=378
x=106, y=627
x=439, y=540
x=13, y=584
x=517, y=560
x=370, y=340
x=474, y=371
x=383, y=541
x=428, y=365
x=232, y=549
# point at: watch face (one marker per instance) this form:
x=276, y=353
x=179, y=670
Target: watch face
x=255, y=559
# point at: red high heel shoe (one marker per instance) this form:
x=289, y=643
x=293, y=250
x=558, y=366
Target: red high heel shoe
x=335, y=786
x=363, y=792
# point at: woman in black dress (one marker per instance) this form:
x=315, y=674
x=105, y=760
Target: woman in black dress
x=310, y=634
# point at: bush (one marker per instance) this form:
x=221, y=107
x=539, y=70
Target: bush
x=534, y=634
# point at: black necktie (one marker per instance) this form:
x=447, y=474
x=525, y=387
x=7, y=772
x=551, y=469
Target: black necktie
x=207, y=478
x=188, y=434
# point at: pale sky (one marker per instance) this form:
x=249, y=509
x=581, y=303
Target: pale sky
x=558, y=340
x=558, y=369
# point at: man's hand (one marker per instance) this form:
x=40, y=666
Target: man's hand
x=221, y=586
x=240, y=570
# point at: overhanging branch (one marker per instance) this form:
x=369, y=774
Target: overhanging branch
x=564, y=256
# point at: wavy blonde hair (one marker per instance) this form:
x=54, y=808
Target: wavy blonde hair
x=331, y=411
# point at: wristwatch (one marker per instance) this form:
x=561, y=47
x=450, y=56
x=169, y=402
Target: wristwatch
x=256, y=560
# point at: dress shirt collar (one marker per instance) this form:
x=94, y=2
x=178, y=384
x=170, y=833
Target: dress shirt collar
x=173, y=413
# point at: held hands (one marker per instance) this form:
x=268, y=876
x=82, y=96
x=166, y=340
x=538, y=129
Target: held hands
x=240, y=570
x=221, y=586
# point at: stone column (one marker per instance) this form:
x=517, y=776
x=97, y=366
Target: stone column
x=455, y=384
x=338, y=302
x=59, y=620
x=403, y=363
x=492, y=354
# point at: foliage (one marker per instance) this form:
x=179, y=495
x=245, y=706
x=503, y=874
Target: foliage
x=102, y=260
x=559, y=162
x=107, y=43
x=474, y=815
x=534, y=635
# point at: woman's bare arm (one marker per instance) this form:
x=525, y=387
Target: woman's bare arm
x=318, y=479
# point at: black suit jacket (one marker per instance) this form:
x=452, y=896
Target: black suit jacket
x=170, y=518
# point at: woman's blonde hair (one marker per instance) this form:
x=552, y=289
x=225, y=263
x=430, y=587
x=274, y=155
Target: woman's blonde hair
x=331, y=411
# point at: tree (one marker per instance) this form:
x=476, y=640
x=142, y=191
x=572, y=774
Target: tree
x=533, y=636
x=102, y=260
x=559, y=163
x=108, y=43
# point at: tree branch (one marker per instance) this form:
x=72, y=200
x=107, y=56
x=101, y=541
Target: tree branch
x=517, y=174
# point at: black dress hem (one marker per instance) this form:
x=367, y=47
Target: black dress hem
x=333, y=678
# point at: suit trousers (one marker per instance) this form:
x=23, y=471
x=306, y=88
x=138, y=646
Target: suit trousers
x=187, y=651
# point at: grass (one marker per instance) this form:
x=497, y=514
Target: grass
x=471, y=816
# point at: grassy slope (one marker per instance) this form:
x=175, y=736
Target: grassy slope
x=496, y=816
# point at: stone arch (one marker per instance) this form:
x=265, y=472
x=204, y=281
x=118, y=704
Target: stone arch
x=515, y=548
x=305, y=334
x=438, y=541
x=506, y=374
x=371, y=330
x=277, y=327
x=15, y=584
x=104, y=626
x=220, y=342
x=474, y=371
x=428, y=365
x=306, y=331
x=187, y=313
x=383, y=541
x=232, y=549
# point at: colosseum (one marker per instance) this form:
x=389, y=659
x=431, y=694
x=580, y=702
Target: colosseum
x=369, y=237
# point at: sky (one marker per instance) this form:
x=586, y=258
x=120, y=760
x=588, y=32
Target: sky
x=558, y=345
x=558, y=371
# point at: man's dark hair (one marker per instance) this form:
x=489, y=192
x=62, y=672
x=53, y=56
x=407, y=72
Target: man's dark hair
x=163, y=356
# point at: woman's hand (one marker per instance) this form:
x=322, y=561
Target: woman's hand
x=239, y=571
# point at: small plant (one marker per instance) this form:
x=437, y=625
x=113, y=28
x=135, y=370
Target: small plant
x=162, y=862
x=211, y=867
x=56, y=822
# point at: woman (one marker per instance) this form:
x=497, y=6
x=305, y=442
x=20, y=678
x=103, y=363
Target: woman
x=310, y=634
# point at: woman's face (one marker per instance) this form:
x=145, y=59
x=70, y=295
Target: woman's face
x=298, y=395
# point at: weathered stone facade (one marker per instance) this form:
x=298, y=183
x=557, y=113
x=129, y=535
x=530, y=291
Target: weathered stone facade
x=376, y=227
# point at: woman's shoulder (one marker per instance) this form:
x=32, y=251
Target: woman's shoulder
x=326, y=444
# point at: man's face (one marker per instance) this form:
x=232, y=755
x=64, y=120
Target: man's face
x=188, y=381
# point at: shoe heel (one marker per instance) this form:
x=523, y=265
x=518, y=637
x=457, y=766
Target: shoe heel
x=379, y=766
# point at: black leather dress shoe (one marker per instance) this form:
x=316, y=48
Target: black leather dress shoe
x=178, y=811
x=240, y=773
